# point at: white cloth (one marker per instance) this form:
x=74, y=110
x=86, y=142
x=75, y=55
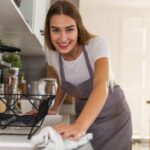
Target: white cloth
x=96, y=48
x=49, y=139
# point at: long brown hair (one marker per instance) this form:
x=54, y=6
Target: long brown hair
x=66, y=8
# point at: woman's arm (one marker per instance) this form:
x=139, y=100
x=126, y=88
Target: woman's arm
x=93, y=106
x=58, y=100
x=98, y=96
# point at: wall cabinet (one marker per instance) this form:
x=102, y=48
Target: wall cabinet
x=21, y=26
x=34, y=12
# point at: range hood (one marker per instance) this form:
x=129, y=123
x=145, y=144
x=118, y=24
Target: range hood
x=16, y=30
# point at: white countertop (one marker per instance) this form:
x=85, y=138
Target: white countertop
x=20, y=142
x=12, y=141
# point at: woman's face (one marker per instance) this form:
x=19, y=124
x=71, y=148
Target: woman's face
x=63, y=33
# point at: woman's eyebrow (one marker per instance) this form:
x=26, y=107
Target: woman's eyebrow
x=71, y=26
x=54, y=27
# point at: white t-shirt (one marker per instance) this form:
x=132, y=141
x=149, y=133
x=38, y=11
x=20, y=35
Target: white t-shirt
x=76, y=71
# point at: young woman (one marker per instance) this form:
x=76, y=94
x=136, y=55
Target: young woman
x=81, y=61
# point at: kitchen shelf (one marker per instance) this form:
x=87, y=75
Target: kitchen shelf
x=5, y=48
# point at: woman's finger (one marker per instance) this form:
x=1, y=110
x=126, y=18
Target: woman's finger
x=61, y=128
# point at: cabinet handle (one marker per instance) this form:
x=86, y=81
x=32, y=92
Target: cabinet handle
x=42, y=32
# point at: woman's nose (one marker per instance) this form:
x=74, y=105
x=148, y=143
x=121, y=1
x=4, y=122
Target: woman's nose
x=63, y=36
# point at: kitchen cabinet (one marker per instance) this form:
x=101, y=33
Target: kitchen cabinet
x=34, y=12
x=16, y=29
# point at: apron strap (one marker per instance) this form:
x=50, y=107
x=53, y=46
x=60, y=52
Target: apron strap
x=62, y=74
x=88, y=62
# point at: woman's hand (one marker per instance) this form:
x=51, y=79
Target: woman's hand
x=52, y=112
x=71, y=131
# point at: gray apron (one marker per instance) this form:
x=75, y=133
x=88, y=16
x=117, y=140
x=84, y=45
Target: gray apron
x=112, y=129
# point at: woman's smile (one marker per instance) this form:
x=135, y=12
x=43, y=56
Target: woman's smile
x=64, y=45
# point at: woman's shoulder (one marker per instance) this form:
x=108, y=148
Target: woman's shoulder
x=97, y=48
x=96, y=40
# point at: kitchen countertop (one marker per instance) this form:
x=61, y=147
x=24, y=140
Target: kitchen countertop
x=20, y=142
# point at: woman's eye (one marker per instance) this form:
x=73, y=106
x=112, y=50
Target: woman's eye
x=70, y=29
x=55, y=30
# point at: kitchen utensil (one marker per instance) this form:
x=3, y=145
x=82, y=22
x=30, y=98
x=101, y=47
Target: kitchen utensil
x=23, y=106
x=47, y=86
x=2, y=105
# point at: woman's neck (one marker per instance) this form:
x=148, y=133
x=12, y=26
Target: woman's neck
x=73, y=54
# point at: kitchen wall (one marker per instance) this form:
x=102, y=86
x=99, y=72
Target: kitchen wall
x=34, y=67
x=75, y=2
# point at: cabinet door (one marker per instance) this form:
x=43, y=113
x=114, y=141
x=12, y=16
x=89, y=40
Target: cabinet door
x=39, y=15
x=26, y=8
x=34, y=12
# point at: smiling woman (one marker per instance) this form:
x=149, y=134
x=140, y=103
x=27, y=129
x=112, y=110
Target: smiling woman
x=81, y=61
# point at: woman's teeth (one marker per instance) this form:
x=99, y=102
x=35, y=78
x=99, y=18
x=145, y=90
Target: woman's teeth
x=63, y=45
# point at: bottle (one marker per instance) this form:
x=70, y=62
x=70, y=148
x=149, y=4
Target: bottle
x=2, y=100
x=22, y=84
